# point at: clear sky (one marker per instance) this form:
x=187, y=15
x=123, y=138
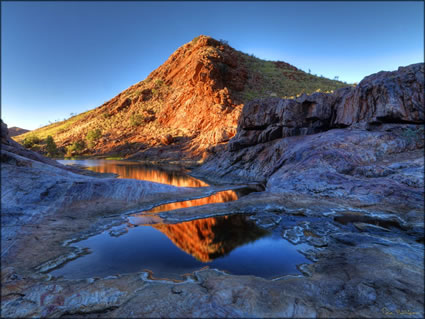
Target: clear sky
x=68, y=57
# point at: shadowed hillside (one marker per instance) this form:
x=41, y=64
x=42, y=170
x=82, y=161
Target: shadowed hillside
x=15, y=131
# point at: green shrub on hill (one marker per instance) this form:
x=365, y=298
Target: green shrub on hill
x=93, y=136
x=51, y=146
x=75, y=148
x=30, y=141
x=136, y=119
x=159, y=82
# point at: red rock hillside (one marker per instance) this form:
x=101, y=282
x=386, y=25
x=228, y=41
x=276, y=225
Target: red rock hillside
x=189, y=104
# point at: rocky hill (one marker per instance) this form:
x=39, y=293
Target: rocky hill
x=15, y=131
x=189, y=104
x=363, y=143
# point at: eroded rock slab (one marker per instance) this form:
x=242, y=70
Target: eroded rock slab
x=367, y=273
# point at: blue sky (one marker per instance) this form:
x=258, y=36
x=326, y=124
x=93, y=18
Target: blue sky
x=68, y=57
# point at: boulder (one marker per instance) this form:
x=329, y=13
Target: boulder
x=384, y=97
x=167, y=139
x=121, y=106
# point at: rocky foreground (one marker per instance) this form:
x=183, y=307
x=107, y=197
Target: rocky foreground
x=343, y=174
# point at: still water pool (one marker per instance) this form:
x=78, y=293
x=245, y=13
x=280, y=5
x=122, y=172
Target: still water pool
x=131, y=169
x=229, y=243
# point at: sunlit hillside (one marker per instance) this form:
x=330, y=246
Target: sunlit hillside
x=191, y=103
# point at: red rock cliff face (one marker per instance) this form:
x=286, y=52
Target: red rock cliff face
x=204, y=74
x=182, y=108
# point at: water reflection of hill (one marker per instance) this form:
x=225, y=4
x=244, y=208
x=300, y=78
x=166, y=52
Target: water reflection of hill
x=220, y=197
x=147, y=173
x=210, y=238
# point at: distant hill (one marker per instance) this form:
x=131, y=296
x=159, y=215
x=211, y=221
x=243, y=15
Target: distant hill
x=15, y=131
x=183, y=108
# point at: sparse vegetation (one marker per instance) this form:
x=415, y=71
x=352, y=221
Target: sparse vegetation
x=414, y=135
x=136, y=119
x=159, y=88
x=54, y=128
x=268, y=78
x=47, y=146
x=159, y=82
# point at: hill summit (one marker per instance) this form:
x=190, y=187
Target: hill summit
x=184, y=108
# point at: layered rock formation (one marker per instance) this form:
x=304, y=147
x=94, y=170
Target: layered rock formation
x=384, y=97
x=363, y=143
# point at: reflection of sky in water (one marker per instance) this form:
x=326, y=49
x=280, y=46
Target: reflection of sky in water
x=230, y=243
x=135, y=170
